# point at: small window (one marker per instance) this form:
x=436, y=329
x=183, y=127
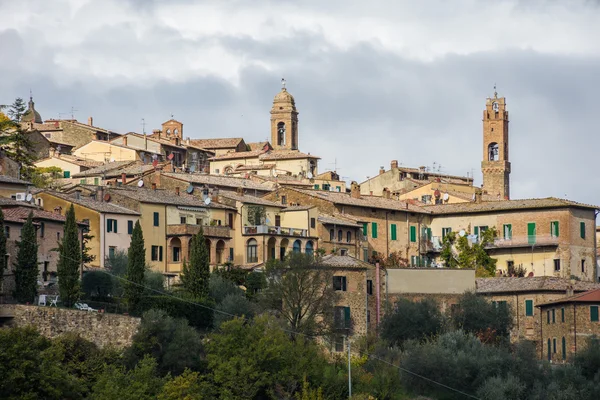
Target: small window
x=562, y=314
x=554, y=345
x=374, y=230
x=553, y=316
x=366, y=255
x=529, y=308
x=583, y=265
x=393, y=232
x=554, y=229
x=96, y=181
x=58, y=236
x=7, y=231
x=66, y=174
x=339, y=283
x=594, y=313
x=343, y=252
x=445, y=232
x=331, y=235
x=564, y=348
x=182, y=220
x=339, y=344
x=176, y=254
x=341, y=318
x=130, y=227
x=582, y=229
x=556, y=265
x=42, y=229
x=198, y=221
x=507, y=229
x=154, y=253
x=548, y=316
x=231, y=254
x=283, y=199
x=413, y=234
x=278, y=220
x=349, y=236
x=156, y=219
x=340, y=235
x=369, y=286
x=313, y=223
x=316, y=187
x=111, y=251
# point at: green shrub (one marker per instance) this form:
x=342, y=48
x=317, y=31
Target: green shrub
x=194, y=310
x=97, y=284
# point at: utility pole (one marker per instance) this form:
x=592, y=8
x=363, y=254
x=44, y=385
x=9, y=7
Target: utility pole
x=349, y=369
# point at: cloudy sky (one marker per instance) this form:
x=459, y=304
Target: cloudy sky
x=373, y=80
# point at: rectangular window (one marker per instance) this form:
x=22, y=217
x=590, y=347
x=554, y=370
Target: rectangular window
x=529, y=308
x=562, y=314
x=230, y=220
x=66, y=174
x=365, y=227
x=554, y=345
x=507, y=231
x=160, y=253
x=111, y=251
x=413, y=233
x=594, y=313
x=553, y=316
x=339, y=283
x=111, y=225
x=130, y=227
x=582, y=229
x=393, y=232
x=283, y=200
x=231, y=254
x=582, y=265
x=564, y=348
x=96, y=181
x=176, y=254
x=316, y=187
x=554, y=229
x=445, y=231
x=82, y=181
x=198, y=221
x=115, y=229
x=374, y=230
x=339, y=344
x=182, y=220
x=42, y=229
x=277, y=220
x=313, y=223
x=548, y=316
x=531, y=232
x=366, y=255
x=154, y=253
x=556, y=265
x=341, y=319
x=369, y=286
x=7, y=231
x=156, y=219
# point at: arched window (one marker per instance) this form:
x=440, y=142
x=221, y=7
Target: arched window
x=297, y=246
x=175, y=131
x=281, y=134
x=340, y=235
x=331, y=235
x=493, y=151
x=349, y=236
x=168, y=132
x=252, y=251
x=309, y=248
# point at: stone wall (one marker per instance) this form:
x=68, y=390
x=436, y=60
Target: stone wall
x=102, y=329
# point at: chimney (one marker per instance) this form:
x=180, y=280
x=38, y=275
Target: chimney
x=394, y=164
x=478, y=196
x=124, y=140
x=153, y=186
x=177, y=190
x=570, y=289
x=386, y=193
x=240, y=191
x=123, y=178
x=100, y=194
x=381, y=170
x=187, y=140
x=355, y=190
x=90, y=121
x=145, y=142
x=214, y=196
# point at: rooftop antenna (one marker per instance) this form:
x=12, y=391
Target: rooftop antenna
x=73, y=109
x=283, y=83
x=171, y=115
x=143, y=126
x=495, y=92
x=60, y=114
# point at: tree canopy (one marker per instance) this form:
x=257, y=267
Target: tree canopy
x=196, y=274
x=69, y=261
x=26, y=266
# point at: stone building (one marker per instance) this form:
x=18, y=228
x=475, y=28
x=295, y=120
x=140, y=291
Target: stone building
x=525, y=295
x=566, y=324
x=70, y=165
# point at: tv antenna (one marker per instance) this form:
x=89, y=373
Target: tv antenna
x=73, y=109
x=143, y=126
x=283, y=82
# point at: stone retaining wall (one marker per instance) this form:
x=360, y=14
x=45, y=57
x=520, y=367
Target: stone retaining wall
x=101, y=328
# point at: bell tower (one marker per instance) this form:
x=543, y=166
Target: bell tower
x=495, y=165
x=284, y=121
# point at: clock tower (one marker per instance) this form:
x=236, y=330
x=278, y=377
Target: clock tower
x=495, y=165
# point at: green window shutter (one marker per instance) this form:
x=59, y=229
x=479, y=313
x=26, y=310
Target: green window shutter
x=66, y=174
x=109, y=225
x=316, y=187
x=156, y=219
x=476, y=230
x=96, y=181
x=582, y=229
x=347, y=317
x=374, y=230
x=393, y=229
x=531, y=232
x=549, y=350
x=507, y=232
x=548, y=317
x=554, y=229
x=82, y=181
x=115, y=226
x=594, y=313
x=529, y=308
x=160, y=253
x=564, y=348
x=338, y=188
x=365, y=228
x=130, y=227
x=413, y=233
x=554, y=345
x=429, y=234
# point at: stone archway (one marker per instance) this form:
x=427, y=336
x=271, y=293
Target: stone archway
x=283, y=248
x=220, y=249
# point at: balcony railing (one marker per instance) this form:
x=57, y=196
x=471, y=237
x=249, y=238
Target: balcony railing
x=274, y=230
x=435, y=244
x=222, y=231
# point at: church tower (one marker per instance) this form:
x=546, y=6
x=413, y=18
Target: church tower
x=284, y=121
x=495, y=165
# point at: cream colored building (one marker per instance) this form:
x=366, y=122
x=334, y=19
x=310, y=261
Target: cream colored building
x=70, y=165
x=439, y=193
x=106, y=152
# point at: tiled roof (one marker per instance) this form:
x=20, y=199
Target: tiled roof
x=592, y=296
x=363, y=201
x=219, y=180
x=252, y=167
x=297, y=208
x=335, y=261
x=250, y=199
x=328, y=176
x=531, y=284
x=100, y=206
x=75, y=161
x=219, y=143
x=20, y=214
x=258, y=145
x=234, y=155
x=10, y=179
x=285, y=155
x=327, y=219
x=506, y=205
x=161, y=196
x=103, y=169
x=155, y=139
x=443, y=177
x=7, y=202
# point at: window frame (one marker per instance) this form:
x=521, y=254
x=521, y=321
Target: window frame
x=340, y=283
x=156, y=219
x=529, y=309
x=374, y=230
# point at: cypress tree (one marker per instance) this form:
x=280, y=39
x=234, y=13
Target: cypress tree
x=69, y=261
x=2, y=248
x=26, y=267
x=136, y=267
x=196, y=274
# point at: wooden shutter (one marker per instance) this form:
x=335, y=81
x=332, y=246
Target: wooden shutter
x=476, y=230
x=531, y=232
x=346, y=317
x=413, y=233
x=528, y=308
x=393, y=231
x=582, y=229
x=109, y=225
x=374, y=230
x=365, y=229
x=160, y=253
x=130, y=227
x=564, y=348
x=594, y=313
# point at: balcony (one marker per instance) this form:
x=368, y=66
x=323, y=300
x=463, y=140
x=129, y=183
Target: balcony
x=274, y=230
x=435, y=244
x=222, y=231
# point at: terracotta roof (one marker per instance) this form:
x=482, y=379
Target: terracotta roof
x=250, y=199
x=328, y=176
x=449, y=178
x=237, y=155
x=506, y=205
x=132, y=169
x=104, y=168
x=100, y=206
x=75, y=161
x=363, y=201
x=285, y=155
x=258, y=145
x=162, y=196
x=298, y=208
x=219, y=143
x=592, y=296
x=335, y=261
x=164, y=142
x=20, y=214
x=327, y=219
x=251, y=167
x=10, y=179
x=8, y=202
x=218, y=180
x=530, y=284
